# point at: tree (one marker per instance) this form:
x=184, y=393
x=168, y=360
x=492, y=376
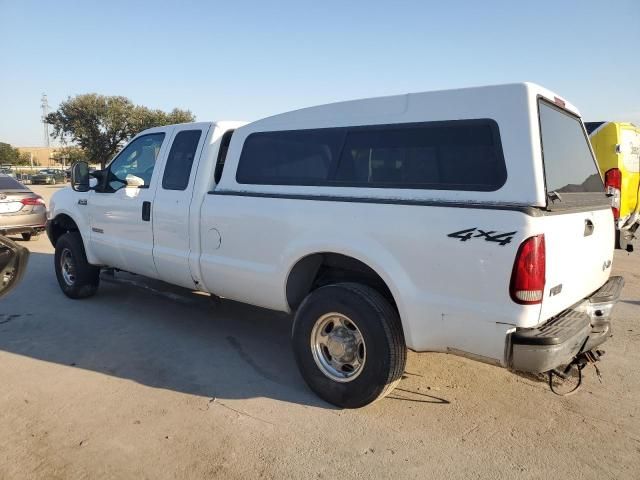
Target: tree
x=100, y=124
x=24, y=158
x=153, y=118
x=12, y=156
x=68, y=154
x=8, y=154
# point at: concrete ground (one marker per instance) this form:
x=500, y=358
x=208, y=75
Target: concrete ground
x=148, y=381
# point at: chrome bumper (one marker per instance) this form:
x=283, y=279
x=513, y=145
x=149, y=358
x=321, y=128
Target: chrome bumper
x=578, y=329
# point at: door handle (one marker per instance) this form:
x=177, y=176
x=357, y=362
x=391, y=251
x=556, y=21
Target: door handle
x=146, y=211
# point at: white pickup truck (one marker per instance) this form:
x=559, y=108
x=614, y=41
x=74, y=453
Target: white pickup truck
x=468, y=221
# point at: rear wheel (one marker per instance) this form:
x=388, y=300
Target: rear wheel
x=349, y=344
x=27, y=236
x=76, y=277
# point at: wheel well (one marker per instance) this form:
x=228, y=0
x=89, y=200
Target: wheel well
x=61, y=225
x=319, y=269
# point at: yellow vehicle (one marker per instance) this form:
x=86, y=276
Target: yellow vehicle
x=617, y=149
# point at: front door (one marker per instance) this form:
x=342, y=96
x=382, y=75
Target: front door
x=120, y=212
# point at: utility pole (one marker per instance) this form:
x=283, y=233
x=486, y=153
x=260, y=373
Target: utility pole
x=44, y=104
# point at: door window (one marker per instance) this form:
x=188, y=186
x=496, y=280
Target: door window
x=134, y=165
x=180, y=160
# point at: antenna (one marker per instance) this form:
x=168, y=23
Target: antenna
x=44, y=104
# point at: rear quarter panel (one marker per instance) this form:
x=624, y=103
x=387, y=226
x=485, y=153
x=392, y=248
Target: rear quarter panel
x=451, y=293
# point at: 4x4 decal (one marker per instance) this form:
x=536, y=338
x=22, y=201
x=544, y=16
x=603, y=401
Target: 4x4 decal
x=489, y=236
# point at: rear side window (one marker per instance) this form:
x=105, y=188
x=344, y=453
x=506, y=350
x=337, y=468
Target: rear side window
x=571, y=173
x=454, y=155
x=295, y=157
x=180, y=160
x=451, y=156
x=10, y=183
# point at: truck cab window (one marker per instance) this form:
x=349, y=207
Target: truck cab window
x=180, y=160
x=222, y=155
x=134, y=165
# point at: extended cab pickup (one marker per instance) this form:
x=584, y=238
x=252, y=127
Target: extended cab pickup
x=468, y=221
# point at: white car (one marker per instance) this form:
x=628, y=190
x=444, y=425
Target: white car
x=468, y=221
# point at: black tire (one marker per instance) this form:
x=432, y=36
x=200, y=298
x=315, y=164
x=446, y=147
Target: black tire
x=381, y=329
x=85, y=278
x=27, y=236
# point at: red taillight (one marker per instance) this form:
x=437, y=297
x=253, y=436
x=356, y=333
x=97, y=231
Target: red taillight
x=613, y=185
x=32, y=201
x=528, y=276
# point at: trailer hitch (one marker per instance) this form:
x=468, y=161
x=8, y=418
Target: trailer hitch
x=579, y=362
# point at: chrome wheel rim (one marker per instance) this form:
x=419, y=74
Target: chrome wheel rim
x=68, y=267
x=338, y=347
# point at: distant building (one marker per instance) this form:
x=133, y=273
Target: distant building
x=41, y=155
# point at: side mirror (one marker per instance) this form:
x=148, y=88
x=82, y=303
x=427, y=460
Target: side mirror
x=80, y=177
x=13, y=263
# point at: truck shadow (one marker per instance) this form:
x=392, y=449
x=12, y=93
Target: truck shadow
x=157, y=335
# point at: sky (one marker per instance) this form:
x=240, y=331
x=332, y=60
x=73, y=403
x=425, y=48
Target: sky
x=242, y=60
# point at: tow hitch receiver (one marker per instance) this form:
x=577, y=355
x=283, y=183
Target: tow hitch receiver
x=572, y=373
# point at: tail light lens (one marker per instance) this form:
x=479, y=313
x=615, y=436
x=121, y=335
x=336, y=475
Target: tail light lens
x=613, y=185
x=32, y=201
x=528, y=276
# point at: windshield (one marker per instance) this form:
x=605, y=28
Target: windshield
x=571, y=173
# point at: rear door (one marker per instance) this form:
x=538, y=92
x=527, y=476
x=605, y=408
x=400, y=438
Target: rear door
x=579, y=230
x=172, y=205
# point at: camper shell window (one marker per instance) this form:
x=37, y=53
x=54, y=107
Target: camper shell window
x=451, y=155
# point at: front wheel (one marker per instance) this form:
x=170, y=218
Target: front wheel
x=76, y=277
x=349, y=344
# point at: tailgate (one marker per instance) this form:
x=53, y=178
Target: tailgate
x=579, y=252
x=578, y=225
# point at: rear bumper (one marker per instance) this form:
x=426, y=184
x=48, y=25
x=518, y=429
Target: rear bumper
x=23, y=222
x=14, y=230
x=578, y=329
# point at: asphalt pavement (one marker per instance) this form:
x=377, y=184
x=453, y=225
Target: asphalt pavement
x=146, y=380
